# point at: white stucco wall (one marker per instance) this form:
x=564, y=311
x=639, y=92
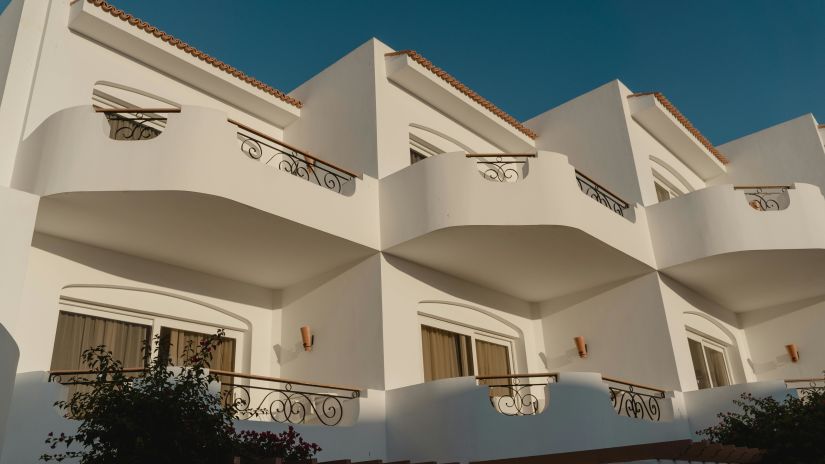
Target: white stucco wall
x=405, y=286
x=343, y=309
x=625, y=328
x=769, y=330
x=56, y=263
x=783, y=154
x=592, y=130
x=686, y=309
x=18, y=210
x=9, y=355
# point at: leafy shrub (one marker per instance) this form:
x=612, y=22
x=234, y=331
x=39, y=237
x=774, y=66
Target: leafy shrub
x=161, y=416
x=792, y=431
x=286, y=445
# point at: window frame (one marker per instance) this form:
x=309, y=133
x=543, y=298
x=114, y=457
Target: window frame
x=708, y=342
x=474, y=334
x=155, y=322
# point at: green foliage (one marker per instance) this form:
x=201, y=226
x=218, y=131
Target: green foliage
x=162, y=415
x=792, y=431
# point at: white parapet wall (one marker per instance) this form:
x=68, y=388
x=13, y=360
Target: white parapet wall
x=8, y=366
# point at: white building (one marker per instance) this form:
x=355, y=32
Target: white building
x=145, y=188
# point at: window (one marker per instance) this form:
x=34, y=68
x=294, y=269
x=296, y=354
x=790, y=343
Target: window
x=662, y=193
x=709, y=363
x=416, y=156
x=421, y=149
x=78, y=332
x=173, y=342
x=450, y=354
x=446, y=354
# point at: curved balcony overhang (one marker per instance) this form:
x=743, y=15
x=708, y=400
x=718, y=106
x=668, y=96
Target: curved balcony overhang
x=191, y=197
x=747, y=248
x=535, y=236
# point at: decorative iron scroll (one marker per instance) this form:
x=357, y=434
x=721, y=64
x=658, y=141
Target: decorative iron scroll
x=135, y=123
x=503, y=167
x=805, y=386
x=513, y=395
x=595, y=191
x=287, y=159
x=635, y=401
x=769, y=198
x=284, y=404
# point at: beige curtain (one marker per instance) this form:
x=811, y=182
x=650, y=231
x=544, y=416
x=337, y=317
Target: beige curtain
x=174, y=342
x=493, y=359
x=446, y=354
x=78, y=332
x=717, y=367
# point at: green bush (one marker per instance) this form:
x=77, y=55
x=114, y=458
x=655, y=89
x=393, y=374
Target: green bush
x=791, y=431
x=161, y=416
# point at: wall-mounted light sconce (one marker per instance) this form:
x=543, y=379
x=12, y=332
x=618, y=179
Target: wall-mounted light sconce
x=793, y=352
x=307, y=337
x=581, y=346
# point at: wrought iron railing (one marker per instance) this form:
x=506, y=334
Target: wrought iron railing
x=285, y=401
x=518, y=394
x=273, y=152
x=767, y=197
x=87, y=377
x=805, y=386
x=605, y=197
x=254, y=396
x=635, y=400
x=135, y=123
x=502, y=167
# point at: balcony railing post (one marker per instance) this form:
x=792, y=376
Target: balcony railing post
x=513, y=395
x=635, y=400
x=605, y=197
x=504, y=167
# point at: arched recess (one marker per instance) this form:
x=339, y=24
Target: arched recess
x=430, y=142
x=479, y=323
x=706, y=326
x=160, y=307
x=107, y=94
x=666, y=173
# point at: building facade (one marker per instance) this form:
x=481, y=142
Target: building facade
x=425, y=238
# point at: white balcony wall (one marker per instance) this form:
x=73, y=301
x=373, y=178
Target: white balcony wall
x=343, y=309
x=718, y=220
x=410, y=291
x=770, y=329
x=146, y=286
x=625, y=327
x=19, y=210
x=449, y=191
x=198, y=151
x=452, y=420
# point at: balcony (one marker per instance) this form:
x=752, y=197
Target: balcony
x=746, y=247
x=526, y=225
x=167, y=186
x=259, y=398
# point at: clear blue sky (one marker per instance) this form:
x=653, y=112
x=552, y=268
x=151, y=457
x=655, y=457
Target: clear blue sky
x=733, y=67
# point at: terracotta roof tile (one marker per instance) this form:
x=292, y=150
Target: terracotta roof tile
x=686, y=123
x=821, y=126
x=171, y=40
x=455, y=83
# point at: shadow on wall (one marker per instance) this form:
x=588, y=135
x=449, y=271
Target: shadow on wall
x=150, y=272
x=9, y=353
x=459, y=289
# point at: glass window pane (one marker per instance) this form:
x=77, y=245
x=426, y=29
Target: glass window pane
x=699, y=366
x=661, y=193
x=446, y=354
x=79, y=332
x=717, y=366
x=493, y=359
